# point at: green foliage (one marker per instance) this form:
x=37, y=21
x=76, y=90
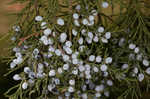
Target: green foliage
x=129, y=22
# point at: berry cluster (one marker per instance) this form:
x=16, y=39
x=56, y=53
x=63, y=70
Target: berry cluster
x=76, y=60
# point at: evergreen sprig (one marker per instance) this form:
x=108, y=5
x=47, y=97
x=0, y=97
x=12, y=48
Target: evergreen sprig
x=75, y=49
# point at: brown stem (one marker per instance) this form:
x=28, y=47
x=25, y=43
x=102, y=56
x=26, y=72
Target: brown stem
x=36, y=7
x=60, y=48
x=27, y=37
x=70, y=28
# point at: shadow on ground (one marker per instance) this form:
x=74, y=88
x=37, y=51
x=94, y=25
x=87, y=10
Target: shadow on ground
x=6, y=20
